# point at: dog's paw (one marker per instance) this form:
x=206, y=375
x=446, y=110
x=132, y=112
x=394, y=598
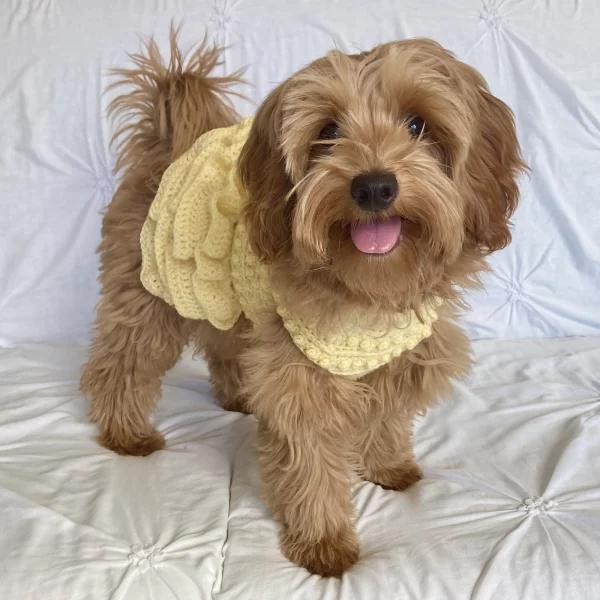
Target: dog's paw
x=397, y=479
x=328, y=557
x=133, y=446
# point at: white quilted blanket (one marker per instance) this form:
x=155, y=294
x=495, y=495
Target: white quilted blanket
x=509, y=508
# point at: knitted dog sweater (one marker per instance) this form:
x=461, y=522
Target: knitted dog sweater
x=196, y=257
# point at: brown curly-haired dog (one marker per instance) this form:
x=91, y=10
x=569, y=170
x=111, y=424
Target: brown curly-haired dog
x=404, y=133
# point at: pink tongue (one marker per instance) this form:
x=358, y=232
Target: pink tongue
x=378, y=237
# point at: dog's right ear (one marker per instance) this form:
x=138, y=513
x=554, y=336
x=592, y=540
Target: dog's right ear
x=262, y=172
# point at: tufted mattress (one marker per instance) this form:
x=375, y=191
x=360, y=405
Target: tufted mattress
x=509, y=508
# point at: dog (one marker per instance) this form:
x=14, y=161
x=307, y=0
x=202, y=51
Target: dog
x=375, y=184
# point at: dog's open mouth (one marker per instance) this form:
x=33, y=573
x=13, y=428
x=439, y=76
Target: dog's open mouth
x=377, y=237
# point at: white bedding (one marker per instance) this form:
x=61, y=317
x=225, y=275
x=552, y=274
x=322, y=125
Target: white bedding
x=541, y=56
x=187, y=523
x=79, y=523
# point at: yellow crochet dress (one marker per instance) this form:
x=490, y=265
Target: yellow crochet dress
x=196, y=257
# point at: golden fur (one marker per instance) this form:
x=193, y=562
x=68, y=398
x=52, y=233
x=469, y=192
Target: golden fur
x=458, y=190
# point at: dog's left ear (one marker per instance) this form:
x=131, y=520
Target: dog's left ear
x=262, y=172
x=492, y=168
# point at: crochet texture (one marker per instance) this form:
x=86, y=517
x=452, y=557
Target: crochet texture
x=196, y=257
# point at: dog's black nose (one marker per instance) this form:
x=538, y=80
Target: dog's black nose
x=374, y=192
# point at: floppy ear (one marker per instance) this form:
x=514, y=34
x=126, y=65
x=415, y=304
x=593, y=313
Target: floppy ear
x=493, y=165
x=262, y=172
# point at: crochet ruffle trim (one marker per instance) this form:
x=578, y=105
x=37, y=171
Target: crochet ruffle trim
x=188, y=235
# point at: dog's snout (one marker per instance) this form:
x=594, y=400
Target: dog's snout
x=375, y=191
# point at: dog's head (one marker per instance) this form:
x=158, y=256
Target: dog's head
x=383, y=177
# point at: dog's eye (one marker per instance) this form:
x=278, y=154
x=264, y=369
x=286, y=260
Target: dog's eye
x=331, y=131
x=416, y=126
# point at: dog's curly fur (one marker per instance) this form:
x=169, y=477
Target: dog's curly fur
x=457, y=192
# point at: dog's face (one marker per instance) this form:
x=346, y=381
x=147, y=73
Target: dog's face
x=382, y=177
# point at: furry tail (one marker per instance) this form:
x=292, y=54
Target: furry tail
x=167, y=106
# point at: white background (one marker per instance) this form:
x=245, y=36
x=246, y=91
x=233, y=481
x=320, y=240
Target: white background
x=542, y=57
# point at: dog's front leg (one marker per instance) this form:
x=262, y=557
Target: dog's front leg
x=387, y=453
x=307, y=418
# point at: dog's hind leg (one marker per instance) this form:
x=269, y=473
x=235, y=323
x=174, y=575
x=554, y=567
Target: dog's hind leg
x=222, y=350
x=138, y=338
